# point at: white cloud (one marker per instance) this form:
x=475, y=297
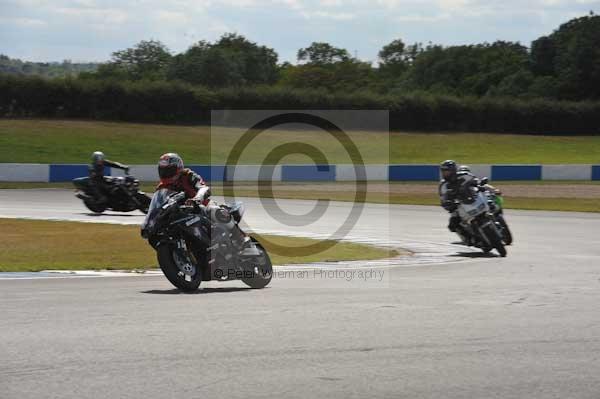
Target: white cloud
x=341, y=16
x=423, y=18
x=95, y=28
x=95, y=15
x=24, y=22
x=172, y=17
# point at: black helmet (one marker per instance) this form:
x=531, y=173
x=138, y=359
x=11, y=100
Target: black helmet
x=170, y=165
x=448, y=169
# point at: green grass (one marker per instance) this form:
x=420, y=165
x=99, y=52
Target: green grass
x=33, y=245
x=47, y=141
x=540, y=204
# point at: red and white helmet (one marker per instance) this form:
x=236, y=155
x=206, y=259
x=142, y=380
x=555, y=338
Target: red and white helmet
x=170, y=166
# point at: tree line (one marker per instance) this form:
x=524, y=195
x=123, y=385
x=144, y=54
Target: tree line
x=551, y=87
x=563, y=65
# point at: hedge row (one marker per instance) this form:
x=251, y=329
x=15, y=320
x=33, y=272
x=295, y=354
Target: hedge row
x=168, y=102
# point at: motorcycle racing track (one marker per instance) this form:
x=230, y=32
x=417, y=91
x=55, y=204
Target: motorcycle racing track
x=443, y=325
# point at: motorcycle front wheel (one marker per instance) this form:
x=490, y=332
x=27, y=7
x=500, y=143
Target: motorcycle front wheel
x=144, y=202
x=506, y=234
x=94, y=207
x=178, y=269
x=495, y=240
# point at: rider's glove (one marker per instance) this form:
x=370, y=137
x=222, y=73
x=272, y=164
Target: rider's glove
x=203, y=195
x=450, y=206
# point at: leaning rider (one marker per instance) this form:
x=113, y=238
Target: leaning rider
x=96, y=174
x=466, y=169
x=449, y=189
x=175, y=177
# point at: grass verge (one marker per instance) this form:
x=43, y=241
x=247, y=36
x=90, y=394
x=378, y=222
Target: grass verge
x=540, y=204
x=32, y=245
x=70, y=141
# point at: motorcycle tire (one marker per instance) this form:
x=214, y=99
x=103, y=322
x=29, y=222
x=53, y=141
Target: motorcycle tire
x=263, y=273
x=495, y=241
x=144, y=202
x=164, y=254
x=94, y=207
x=507, y=237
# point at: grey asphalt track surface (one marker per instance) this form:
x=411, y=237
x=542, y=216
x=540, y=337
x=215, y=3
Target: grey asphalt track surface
x=527, y=326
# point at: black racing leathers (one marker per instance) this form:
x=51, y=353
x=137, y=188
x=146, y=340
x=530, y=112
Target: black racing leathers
x=449, y=192
x=97, y=183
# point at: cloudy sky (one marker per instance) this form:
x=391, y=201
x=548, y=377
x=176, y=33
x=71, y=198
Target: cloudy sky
x=89, y=30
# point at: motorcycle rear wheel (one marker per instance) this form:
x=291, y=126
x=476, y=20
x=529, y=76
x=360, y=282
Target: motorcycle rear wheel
x=263, y=270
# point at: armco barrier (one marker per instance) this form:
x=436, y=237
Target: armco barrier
x=28, y=172
x=372, y=172
x=566, y=172
x=596, y=172
x=308, y=173
x=210, y=173
x=516, y=172
x=414, y=173
x=242, y=173
x=297, y=173
x=61, y=173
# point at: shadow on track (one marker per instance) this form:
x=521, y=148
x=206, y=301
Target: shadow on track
x=175, y=291
x=110, y=214
x=475, y=255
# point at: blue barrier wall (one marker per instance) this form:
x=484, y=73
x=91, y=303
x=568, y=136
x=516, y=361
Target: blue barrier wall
x=516, y=172
x=414, y=173
x=596, y=172
x=210, y=173
x=64, y=172
x=308, y=173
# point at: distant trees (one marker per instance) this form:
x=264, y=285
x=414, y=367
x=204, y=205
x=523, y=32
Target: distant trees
x=323, y=66
x=562, y=65
x=569, y=59
x=319, y=53
x=395, y=58
x=149, y=59
x=231, y=61
x=46, y=69
x=466, y=70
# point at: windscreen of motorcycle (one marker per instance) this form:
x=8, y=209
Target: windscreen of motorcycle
x=159, y=198
x=470, y=210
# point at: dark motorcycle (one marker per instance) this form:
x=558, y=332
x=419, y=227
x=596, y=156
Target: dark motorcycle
x=198, y=243
x=122, y=194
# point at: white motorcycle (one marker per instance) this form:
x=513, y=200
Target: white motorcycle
x=478, y=220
